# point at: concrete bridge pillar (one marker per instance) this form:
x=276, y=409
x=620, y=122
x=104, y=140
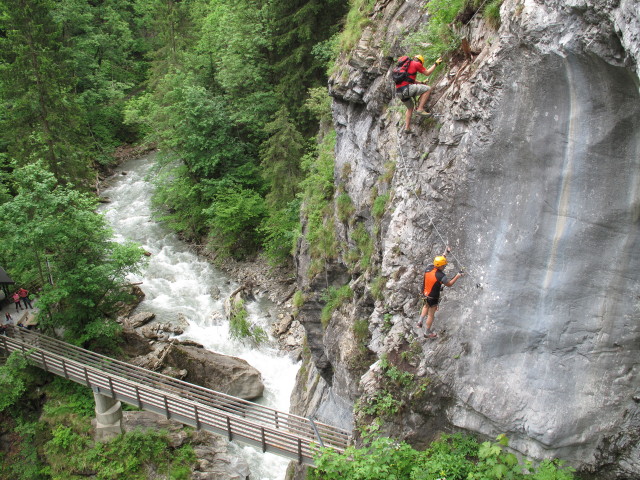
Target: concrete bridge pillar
x=108, y=417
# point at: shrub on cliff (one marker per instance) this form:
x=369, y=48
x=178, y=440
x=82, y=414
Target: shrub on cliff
x=453, y=457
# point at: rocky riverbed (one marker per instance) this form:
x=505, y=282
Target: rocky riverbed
x=153, y=345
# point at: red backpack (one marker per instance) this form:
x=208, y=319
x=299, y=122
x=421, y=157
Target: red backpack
x=400, y=71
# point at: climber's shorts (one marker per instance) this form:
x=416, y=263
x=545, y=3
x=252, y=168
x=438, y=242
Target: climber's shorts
x=407, y=92
x=430, y=301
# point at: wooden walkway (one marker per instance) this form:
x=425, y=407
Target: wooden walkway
x=272, y=431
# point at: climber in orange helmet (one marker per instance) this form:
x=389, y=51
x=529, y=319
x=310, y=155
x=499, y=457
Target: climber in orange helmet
x=433, y=280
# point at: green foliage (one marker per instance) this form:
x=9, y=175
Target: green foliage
x=125, y=457
x=222, y=88
x=12, y=379
x=358, y=18
x=46, y=119
x=384, y=458
x=234, y=216
x=437, y=38
x=361, y=332
x=377, y=287
x=380, y=206
x=454, y=457
x=23, y=460
x=61, y=244
x=210, y=173
x=318, y=189
x=235, y=92
x=232, y=50
x=389, y=172
x=298, y=300
x=387, y=322
x=280, y=231
x=334, y=298
x=60, y=446
x=180, y=199
x=319, y=103
x=491, y=12
x=65, y=69
x=382, y=404
x=295, y=28
x=397, y=377
x=65, y=399
x=240, y=328
x=281, y=154
x=345, y=208
x=364, y=246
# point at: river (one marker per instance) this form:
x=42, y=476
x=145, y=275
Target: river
x=178, y=281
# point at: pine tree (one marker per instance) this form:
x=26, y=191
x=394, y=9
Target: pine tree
x=43, y=119
x=296, y=27
x=281, y=155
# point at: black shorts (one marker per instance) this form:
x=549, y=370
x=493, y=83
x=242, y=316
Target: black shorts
x=430, y=301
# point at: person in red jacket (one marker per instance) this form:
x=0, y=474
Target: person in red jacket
x=16, y=300
x=24, y=295
x=434, y=279
x=409, y=88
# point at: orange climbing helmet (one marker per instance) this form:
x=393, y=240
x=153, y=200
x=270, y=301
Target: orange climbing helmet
x=439, y=261
x=420, y=58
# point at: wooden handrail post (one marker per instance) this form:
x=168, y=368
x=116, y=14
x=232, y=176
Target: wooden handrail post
x=166, y=408
x=195, y=411
x=113, y=393
x=229, y=428
x=138, y=397
x=44, y=362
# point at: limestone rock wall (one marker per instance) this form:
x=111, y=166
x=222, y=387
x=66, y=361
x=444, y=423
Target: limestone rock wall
x=531, y=173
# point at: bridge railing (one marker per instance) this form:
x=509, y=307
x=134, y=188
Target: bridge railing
x=277, y=432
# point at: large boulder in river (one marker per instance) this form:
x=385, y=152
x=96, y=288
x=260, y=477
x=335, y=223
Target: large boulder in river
x=133, y=344
x=139, y=319
x=225, y=374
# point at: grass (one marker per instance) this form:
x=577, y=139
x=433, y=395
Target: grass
x=334, y=298
x=357, y=19
x=379, y=206
x=241, y=328
x=317, y=205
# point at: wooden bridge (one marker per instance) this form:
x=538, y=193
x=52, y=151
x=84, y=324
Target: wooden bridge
x=276, y=432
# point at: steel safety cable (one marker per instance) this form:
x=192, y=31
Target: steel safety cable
x=423, y=203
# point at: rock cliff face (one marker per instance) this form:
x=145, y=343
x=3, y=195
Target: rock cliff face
x=531, y=173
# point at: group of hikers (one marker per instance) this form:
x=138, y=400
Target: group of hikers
x=21, y=295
